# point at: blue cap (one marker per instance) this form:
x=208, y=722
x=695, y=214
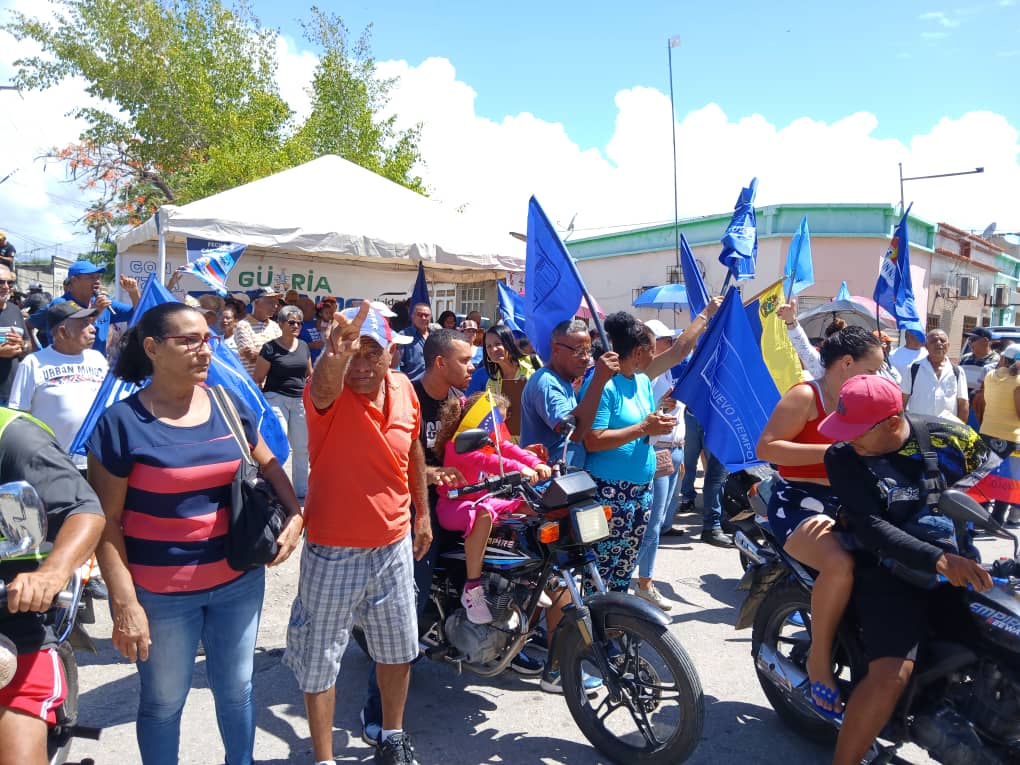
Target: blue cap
x=83, y=267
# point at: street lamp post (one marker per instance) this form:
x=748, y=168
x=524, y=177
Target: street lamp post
x=674, y=42
x=925, y=177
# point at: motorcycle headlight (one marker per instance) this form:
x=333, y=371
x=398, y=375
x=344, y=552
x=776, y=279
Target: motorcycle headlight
x=589, y=524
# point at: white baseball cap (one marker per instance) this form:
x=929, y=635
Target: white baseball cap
x=659, y=329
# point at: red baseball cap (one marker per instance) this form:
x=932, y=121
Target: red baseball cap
x=864, y=401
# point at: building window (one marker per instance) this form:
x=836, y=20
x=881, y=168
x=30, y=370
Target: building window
x=444, y=298
x=933, y=323
x=964, y=249
x=472, y=298
x=969, y=322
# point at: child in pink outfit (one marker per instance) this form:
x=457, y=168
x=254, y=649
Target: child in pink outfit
x=475, y=519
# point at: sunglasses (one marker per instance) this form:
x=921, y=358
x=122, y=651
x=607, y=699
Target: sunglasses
x=9, y=282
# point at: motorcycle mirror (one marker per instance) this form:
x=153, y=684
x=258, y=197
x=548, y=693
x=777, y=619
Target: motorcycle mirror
x=471, y=440
x=960, y=507
x=22, y=519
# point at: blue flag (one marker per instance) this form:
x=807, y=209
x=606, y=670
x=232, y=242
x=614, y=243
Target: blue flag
x=420, y=293
x=697, y=294
x=553, y=289
x=893, y=290
x=740, y=242
x=212, y=262
x=799, y=267
x=225, y=369
x=727, y=386
x=844, y=293
x=511, y=307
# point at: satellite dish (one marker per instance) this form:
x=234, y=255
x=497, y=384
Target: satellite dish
x=989, y=231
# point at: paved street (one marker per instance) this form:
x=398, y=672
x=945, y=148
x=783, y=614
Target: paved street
x=456, y=719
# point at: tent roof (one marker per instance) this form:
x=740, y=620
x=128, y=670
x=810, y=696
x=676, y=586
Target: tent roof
x=340, y=211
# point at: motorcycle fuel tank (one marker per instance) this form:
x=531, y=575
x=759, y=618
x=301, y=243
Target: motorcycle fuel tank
x=997, y=613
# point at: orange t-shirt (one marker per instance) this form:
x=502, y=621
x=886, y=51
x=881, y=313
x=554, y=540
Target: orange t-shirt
x=357, y=488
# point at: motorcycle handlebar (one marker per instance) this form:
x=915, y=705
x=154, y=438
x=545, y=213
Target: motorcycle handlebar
x=489, y=485
x=64, y=598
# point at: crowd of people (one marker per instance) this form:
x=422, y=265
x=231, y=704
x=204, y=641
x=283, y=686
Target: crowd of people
x=369, y=413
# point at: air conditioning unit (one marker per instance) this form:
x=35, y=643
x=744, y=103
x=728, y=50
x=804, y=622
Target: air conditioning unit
x=967, y=286
x=1000, y=296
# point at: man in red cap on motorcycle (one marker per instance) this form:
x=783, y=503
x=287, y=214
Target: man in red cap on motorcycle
x=878, y=471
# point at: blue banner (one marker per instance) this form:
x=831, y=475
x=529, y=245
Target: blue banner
x=553, y=289
x=511, y=308
x=697, y=293
x=894, y=290
x=212, y=262
x=799, y=266
x=420, y=291
x=225, y=369
x=844, y=293
x=740, y=242
x=728, y=387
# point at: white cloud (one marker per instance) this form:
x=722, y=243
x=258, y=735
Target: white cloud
x=933, y=36
x=492, y=166
x=941, y=18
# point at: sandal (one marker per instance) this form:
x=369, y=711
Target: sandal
x=821, y=692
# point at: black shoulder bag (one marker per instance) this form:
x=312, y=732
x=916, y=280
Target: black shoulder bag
x=256, y=515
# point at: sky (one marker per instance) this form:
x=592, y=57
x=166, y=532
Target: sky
x=570, y=101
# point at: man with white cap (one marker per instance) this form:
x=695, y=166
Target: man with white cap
x=878, y=471
x=59, y=383
x=363, y=442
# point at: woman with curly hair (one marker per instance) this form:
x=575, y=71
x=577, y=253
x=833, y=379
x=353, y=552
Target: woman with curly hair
x=620, y=457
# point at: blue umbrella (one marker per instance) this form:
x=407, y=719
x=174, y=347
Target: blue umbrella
x=666, y=296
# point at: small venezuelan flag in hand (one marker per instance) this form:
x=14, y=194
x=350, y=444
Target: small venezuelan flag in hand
x=484, y=414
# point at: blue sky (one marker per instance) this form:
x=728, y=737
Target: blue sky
x=569, y=101
x=910, y=63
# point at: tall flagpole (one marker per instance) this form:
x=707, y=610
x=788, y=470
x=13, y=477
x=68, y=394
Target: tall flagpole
x=671, y=43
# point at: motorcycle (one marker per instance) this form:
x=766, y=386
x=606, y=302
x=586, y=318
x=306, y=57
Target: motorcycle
x=962, y=703
x=741, y=502
x=23, y=528
x=650, y=709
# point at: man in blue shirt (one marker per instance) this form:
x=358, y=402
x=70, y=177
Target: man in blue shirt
x=412, y=356
x=84, y=288
x=549, y=394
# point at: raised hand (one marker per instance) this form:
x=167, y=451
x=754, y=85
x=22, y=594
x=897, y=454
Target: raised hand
x=345, y=334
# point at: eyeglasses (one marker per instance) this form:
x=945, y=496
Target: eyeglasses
x=293, y=322
x=9, y=282
x=192, y=343
x=580, y=352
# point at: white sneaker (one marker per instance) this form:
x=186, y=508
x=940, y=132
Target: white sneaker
x=653, y=596
x=474, y=603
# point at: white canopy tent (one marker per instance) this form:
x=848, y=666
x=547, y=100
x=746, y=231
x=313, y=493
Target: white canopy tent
x=324, y=224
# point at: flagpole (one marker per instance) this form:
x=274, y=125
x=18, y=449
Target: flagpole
x=495, y=429
x=671, y=43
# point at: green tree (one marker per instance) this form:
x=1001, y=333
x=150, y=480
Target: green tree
x=191, y=103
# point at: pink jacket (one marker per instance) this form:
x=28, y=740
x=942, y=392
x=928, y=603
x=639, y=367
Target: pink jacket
x=472, y=464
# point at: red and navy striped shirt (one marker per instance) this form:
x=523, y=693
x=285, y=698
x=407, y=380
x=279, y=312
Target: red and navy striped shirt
x=177, y=507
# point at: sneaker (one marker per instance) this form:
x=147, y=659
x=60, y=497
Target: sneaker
x=672, y=532
x=523, y=664
x=653, y=596
x=370, y=731
x=685, y=506
x=477, y=609
x=716, y=538
x=553, y=683
x=396, y=750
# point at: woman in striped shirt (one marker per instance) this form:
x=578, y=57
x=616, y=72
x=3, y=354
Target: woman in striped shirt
x=162, y=462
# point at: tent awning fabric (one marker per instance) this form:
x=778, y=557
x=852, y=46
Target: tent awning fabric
x=332, y=209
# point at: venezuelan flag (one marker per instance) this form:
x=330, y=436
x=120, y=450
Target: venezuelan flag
x=484, y=414
x=780, y=358
x=1003, y=483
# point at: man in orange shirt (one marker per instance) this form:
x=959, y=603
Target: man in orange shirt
x=367, y=464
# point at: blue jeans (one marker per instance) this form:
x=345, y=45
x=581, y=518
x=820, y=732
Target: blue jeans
x=663, y=490
x=715, y=474
x=227, y=621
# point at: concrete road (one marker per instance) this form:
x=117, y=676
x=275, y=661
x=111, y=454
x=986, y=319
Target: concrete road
x=458, y=720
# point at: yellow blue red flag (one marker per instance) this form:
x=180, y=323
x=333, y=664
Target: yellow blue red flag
x=776, y=349
x=484, y=414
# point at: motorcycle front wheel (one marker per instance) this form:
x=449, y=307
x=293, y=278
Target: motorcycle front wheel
x=659, y=717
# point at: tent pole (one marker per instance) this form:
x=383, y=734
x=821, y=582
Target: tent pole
x=160, y=248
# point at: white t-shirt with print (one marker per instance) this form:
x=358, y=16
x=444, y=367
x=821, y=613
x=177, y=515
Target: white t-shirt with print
x=59, y=390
